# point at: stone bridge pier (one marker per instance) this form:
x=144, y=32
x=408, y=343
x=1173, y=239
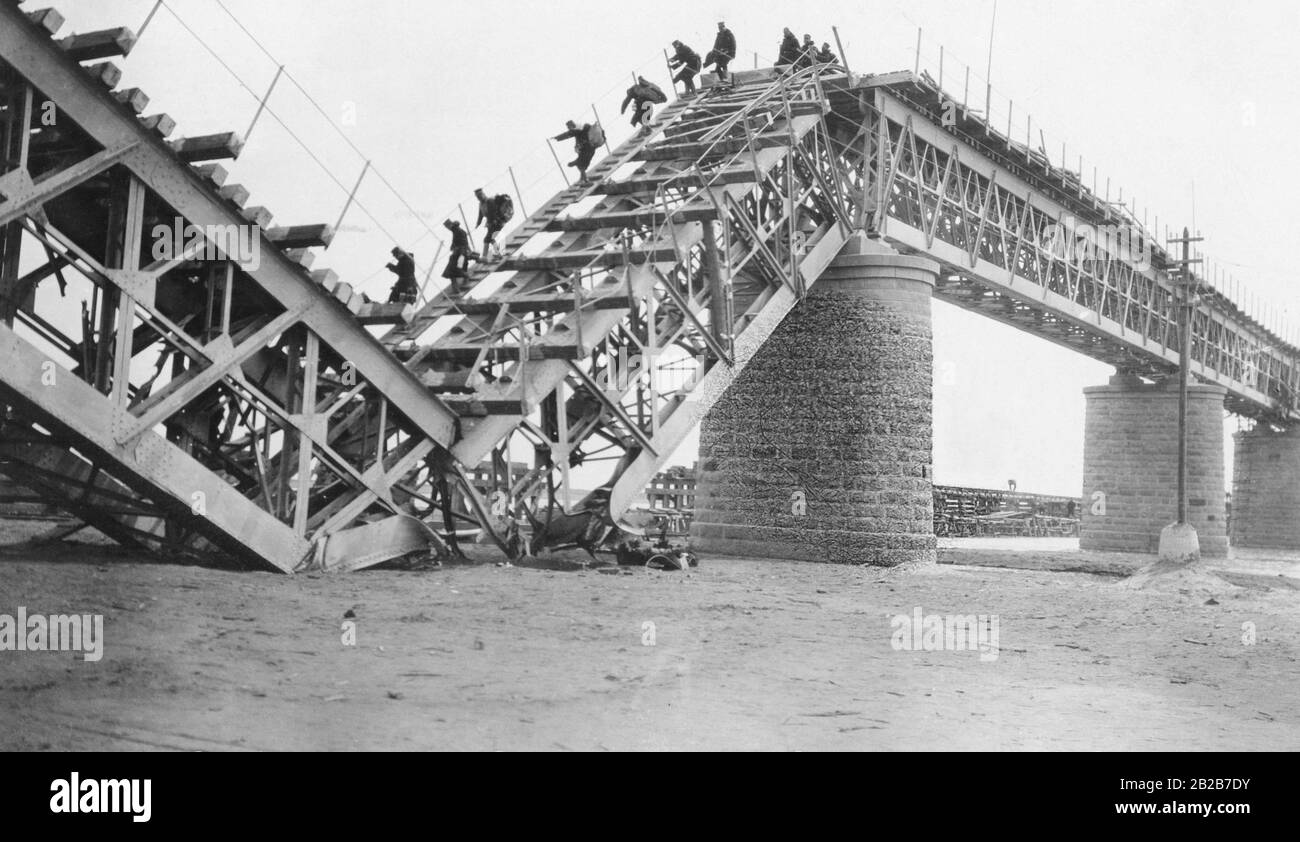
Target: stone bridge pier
x=1266, y=488
x=821, y=448
x=1130, y=466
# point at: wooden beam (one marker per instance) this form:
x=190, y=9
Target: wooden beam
x=48, y=18
x=694, y=150
x=214, y=173
x=105, y=43
x=303, y=257
x=159, y=124
x=210, y=147
x=374, y=313
x=236, y=193
x=649, y=184
x=327, y=278
x=301, y=236
x=259, y=216
x=632, y=219
x=106, y=72
x=582, y=259
x=133, y=98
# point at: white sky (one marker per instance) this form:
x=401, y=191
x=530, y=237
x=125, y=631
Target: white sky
x=443, y=96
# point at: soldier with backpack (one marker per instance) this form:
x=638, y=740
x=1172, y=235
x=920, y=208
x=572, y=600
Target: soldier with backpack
x=586, y=139
x=405, y=289
x=689, y=62
x=643, y=96
x=496, y=211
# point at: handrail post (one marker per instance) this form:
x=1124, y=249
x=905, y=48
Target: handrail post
x=551, y=145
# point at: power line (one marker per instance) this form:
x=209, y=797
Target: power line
x=324, y=168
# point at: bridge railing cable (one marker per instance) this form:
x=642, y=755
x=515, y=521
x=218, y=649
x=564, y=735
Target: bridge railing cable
x=531, y=179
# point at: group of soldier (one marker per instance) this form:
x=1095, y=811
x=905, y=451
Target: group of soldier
x=496, y=211
x=493, y=211
x=792, y=55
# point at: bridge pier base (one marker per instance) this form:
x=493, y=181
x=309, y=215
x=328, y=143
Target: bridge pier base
x=821, y=448
x=1266, y=489
x=1130, y=466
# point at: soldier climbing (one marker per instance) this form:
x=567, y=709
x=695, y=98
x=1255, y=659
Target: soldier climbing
x=689, y=62
x=586, y=139
x=457, y=267
x=643, y=96
x=496, y=211
x=405, y=288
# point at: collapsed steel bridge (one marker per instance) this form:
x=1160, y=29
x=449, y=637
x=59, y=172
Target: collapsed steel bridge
x=198, y=406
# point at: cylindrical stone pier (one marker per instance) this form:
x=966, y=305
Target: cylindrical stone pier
x=1130, y=466
x=1266, y=488
x=821, y=448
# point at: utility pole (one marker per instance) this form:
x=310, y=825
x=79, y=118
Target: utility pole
x=1179, y=542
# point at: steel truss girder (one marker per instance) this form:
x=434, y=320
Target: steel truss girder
x=1010, y=218
x=43, y=64
x=150, y=463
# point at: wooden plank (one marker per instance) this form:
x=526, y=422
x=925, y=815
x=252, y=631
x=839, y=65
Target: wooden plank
x=327, y=278
x=215, y=173
x=210, y=147
x=258, y=215
x=349, y=298
x=159, y=124
x=133, y=98
x=301, y=236
x=559, y=303
x=582, y=259
x=374, y=313
x=652, y=183
x=104, y=43
x=106, y=72
x=236, y=193
x=48, y=18
x=303, y=257
x=633, y=219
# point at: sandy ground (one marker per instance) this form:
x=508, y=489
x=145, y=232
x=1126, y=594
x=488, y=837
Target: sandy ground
x=747, y=654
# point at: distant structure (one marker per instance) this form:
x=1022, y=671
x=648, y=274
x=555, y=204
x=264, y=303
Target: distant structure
x=958, y=511
x=673, y=489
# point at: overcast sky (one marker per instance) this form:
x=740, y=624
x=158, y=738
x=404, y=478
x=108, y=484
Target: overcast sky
x=1189, y=106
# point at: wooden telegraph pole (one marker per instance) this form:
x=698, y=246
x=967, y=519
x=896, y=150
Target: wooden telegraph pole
x=1186, y=302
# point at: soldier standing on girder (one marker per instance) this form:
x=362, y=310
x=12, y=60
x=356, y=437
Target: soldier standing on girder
x=724, y=50
x=461, y=254
x=488, y=211
x=404, y=289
